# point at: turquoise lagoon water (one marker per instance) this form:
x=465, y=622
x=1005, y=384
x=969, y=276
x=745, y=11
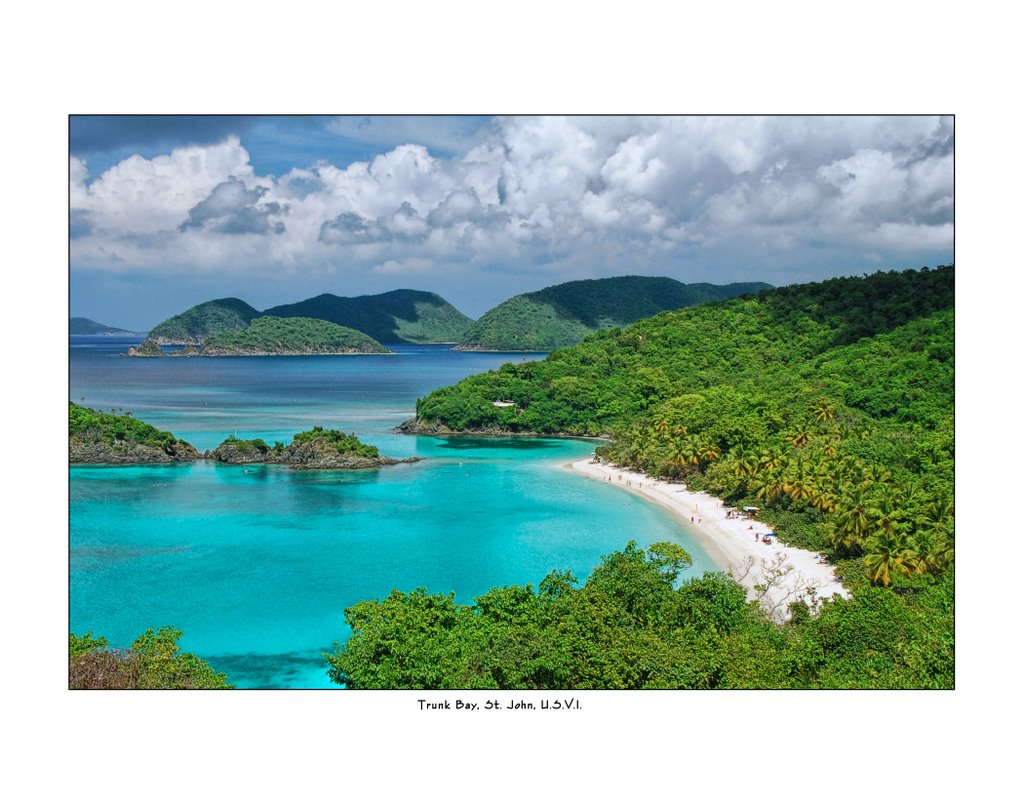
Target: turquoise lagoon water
x=256, y=564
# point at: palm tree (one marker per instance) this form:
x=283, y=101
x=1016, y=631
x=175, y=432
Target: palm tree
x=770, y=460
x=799, y=435
x=681, y=452
x=888, y=555
x=830, y=446
x=707, y=452
x=747, y=465
x=823, y=410
x=643, y=444
x=855, y=512
x=842, y=540
x=766, y=485
x=823, y=500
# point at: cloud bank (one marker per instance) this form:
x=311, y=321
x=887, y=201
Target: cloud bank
x=551, y=196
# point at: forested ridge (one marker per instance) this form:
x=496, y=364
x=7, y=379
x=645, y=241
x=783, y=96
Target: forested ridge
x=302, y=336
x=198, y=323
x=829, y=405
x=565, y=314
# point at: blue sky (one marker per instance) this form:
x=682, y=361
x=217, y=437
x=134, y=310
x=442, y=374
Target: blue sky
x=170, y=211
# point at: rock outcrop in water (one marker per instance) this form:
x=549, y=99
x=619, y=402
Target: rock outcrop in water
x=317, y=449
x=147, y=349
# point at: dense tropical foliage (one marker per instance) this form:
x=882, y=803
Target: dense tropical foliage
x=631, y=625
x=273, y=335
x=154, y=661
x=565, y=314
x=828, y=405
x=831, y=404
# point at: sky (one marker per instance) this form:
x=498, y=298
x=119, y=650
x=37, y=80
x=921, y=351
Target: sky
x=170, y=211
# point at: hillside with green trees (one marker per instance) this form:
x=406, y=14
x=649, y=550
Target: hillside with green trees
x=565, y=314
x=829, y=405
x=82, y=326
x=198, y=323
x=152, y=662
x=270, y=335
x=95, y=437
x=401, y=316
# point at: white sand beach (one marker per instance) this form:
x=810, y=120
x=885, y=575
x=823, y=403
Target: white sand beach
x=774, y=574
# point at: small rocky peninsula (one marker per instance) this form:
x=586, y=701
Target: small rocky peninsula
x=95, y=437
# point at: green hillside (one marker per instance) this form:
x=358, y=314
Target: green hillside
x=828, y=405
x=565, y=314
x=198, y=323
x=401, y=316
x=820, y=399
x=82, y=326
x=270, y=335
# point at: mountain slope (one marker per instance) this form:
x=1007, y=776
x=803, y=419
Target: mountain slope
x=402, y=316
x=271, y=335
x=198, y=323
x=616, y=377
x=565, y=314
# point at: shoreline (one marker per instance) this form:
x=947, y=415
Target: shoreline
x=784, y=573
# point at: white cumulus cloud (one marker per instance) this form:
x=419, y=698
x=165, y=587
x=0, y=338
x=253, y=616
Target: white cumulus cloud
x=593, y=193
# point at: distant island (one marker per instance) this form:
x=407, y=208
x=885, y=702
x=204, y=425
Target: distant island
x=541, y=321
x=98, y=438
x=563, y=315
x=200, y=322
x=402, y=316
x=270, y=335
x=83, y=326
x=316, y=449
x=395, y=317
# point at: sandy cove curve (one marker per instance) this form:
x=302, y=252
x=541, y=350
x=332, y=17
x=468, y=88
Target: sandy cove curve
x=732, y=542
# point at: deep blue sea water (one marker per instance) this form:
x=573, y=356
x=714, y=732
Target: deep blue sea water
x=257, y=564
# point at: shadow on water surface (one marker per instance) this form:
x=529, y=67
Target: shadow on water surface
x=288, y=670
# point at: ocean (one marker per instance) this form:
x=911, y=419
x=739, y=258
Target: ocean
x=256, y=565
